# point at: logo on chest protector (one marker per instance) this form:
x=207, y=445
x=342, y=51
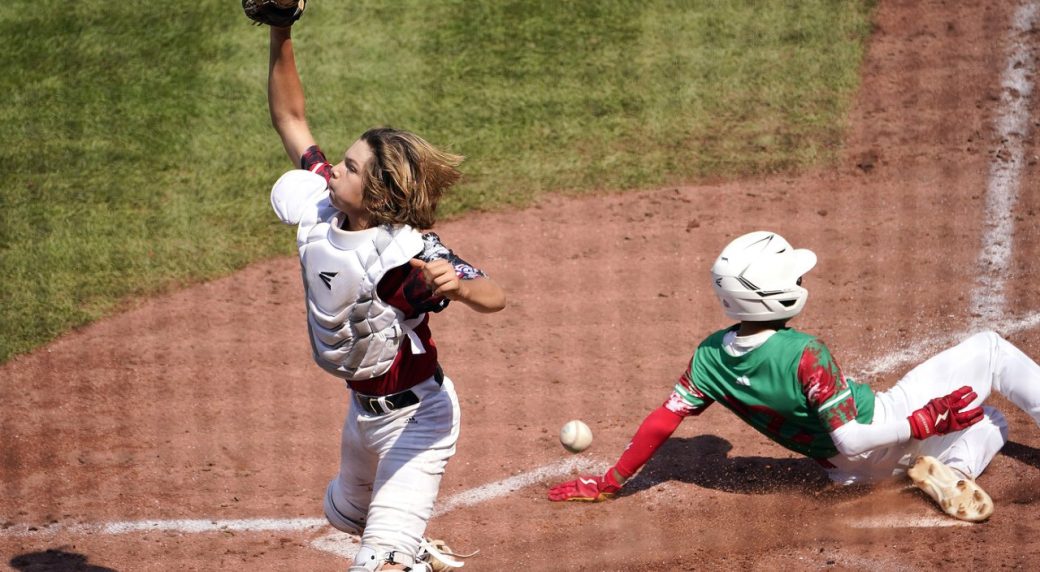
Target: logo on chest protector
x=327, y=277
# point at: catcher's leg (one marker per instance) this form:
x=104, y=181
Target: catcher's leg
x=343, y=515
x=349, y=494
x=414, y=444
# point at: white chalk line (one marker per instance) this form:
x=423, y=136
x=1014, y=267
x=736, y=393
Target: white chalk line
x=864, y=563
x=505, y=486
x=337, y=542
x=904, y=521
x=1005, y=172
x=1012, y=125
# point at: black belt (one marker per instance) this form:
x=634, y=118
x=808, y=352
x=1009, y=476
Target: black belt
x=379, y=405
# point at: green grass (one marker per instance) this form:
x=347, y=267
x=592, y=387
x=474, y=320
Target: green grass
x=137, y=153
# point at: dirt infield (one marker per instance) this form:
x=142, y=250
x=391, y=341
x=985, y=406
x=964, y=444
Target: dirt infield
x=192, y=432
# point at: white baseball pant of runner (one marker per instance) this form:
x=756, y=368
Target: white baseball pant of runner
x=987, y=363
x=390, y=471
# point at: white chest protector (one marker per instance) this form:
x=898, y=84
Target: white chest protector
x=354, y=334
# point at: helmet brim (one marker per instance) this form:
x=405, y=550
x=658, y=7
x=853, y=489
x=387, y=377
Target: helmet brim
x=803, y=260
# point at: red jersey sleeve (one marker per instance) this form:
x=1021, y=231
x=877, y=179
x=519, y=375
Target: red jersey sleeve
x=825, y=387
x=686, y=399
x=405, y=288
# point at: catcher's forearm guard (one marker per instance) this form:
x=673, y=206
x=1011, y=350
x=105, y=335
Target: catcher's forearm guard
x=277, y=13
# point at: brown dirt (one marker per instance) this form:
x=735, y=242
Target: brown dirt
x=204, y=404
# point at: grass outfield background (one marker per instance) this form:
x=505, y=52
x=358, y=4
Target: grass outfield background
x=137, y=152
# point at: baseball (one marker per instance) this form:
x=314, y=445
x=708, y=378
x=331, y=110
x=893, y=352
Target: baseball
x=575, y=436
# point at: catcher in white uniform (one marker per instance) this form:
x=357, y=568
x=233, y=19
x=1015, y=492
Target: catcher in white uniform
x=371, y=279
x=785, y=384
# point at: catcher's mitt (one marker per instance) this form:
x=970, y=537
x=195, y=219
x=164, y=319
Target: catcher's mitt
x=277, y=13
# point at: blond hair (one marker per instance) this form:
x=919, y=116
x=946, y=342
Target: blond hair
x=405, y=178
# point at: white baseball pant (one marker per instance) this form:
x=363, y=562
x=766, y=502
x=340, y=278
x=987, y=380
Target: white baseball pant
x=986, y=362
x=391, y=467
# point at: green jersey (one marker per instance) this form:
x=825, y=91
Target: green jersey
x=789, y=388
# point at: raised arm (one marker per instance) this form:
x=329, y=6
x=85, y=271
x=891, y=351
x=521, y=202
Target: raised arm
x=285, y=96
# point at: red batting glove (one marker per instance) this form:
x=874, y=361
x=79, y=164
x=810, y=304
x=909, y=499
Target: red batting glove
x=587, y=489
x=944, y=415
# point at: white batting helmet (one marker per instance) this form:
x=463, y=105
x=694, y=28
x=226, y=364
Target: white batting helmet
x=758, y=277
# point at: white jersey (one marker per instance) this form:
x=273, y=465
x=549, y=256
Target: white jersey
x=354, y=334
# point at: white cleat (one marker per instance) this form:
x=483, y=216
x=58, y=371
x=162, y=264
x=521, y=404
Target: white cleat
x=957, y=495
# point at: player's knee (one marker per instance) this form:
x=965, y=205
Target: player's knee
x=987, y=345
x=337, y=519
x=988, y=338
